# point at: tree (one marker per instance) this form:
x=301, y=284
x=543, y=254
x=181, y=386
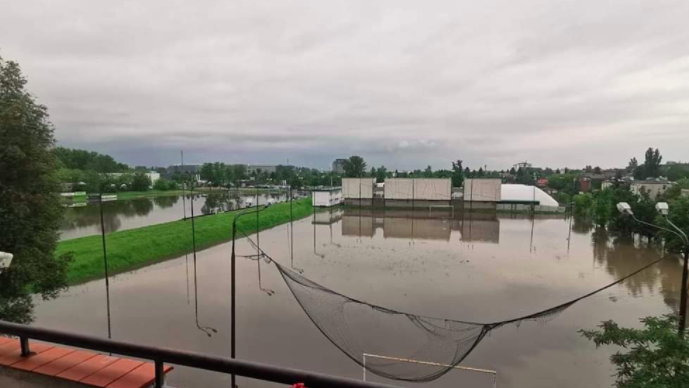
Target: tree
x=633, y=165
x=87, y=160
x=457, y=173
x=651, y=166
x=355, y=167
x=655, y=355
x=141, y=182
x=381, y=174
x=30, y=211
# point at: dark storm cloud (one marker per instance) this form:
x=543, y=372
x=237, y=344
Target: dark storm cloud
x=405, y=84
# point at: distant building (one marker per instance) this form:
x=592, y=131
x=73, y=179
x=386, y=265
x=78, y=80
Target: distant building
x=188, y=169
x=252, y=169
x=338, y=166
x=653, y=188
x=685, y=192
x=326, y=197
x=542, y=182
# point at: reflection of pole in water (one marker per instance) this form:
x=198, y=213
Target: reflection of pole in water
x=260, y=284
x=184, y=183
x=533, y=221
x=205, y=329
x=105, y=262
x=258, y=238
x=569, y=233
x=186, y=259
x=291, y=230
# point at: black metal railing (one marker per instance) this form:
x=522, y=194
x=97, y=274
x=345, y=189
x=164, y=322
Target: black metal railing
x=160, y=356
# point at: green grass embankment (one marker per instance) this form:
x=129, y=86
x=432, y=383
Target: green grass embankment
x=135, y=248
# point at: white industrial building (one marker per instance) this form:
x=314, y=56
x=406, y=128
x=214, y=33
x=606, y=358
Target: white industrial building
x=327, y=197
x=358, y=191
x=482, y=190
x=522, y=197
x=491, y=193
x=422, y=189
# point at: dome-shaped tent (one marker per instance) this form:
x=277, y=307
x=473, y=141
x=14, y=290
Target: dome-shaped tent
x=516, y=193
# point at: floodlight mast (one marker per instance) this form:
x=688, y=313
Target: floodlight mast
x=664, y=209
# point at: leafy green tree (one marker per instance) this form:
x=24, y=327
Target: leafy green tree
x=457, y=173
x=164, y=184
x=30, y=210
x=633, y=165
x=87, y=160
x=678, y=215
x=676, y=171
x=651, y=166
x=355, y=166
x=583, y=204
x=675, y=190
x=602, y=207
x=653, y=357
x=381, y=174
x=141, y=182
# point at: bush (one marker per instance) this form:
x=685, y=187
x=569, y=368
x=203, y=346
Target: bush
x=141, y=182
x=164, y=184
x=656, y=356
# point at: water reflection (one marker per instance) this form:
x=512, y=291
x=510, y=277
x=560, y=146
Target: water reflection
x=623, y=255
x=84, y=220
x=489, y=269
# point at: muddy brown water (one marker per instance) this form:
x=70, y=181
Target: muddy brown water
x=83, y=219
x=477, y=267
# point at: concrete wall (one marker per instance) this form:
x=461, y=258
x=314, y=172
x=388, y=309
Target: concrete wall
x=432, y=189
x=653, y=189
x=326, y=198
x=355, y=188
x=482, y=190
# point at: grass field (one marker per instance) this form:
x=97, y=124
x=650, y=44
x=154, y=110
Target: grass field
x=135, y=248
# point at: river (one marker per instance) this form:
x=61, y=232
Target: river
x=467, y=267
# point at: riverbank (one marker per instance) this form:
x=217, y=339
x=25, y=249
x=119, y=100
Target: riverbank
x=136, y=248
x=164, y=193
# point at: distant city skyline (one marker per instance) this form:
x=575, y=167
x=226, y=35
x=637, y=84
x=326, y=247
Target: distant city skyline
x=403, y=84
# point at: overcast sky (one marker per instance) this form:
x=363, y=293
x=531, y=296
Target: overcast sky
x=404, y=84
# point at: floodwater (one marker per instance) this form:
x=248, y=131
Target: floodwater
x=83, y=219
x=470, y=267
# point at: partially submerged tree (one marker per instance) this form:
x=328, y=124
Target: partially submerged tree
x=30, y=210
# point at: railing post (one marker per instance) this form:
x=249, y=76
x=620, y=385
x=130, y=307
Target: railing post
x=24, y=343
x=159, y=374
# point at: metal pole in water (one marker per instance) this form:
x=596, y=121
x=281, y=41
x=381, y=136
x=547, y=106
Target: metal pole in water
x=233, y=295
x=683, y=295
x=258, y=237
x=105, y=261
x=291, y=228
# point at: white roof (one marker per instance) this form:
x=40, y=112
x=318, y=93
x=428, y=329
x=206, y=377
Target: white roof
x=524, y=193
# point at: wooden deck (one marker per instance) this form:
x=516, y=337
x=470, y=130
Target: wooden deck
x=76, y=365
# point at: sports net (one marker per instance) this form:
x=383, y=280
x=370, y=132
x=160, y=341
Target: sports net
x=358, y=328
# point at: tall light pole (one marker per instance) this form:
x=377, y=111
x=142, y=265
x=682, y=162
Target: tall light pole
x=233, y=278
x=663, y=209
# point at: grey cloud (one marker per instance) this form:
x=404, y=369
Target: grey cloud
x=402, y=83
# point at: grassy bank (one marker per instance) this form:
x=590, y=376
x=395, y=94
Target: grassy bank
x=135, y=248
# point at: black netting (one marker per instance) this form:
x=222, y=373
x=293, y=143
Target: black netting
x=358, y=328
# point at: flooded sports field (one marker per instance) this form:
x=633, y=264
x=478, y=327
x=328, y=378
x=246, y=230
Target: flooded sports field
x=390, y=289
